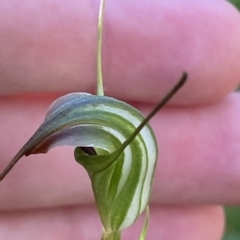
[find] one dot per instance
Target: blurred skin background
(233, 213)
(54, 67)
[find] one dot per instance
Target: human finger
(78, 222)
(51, 47)
(198, 157)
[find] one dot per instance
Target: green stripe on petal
(122, 190)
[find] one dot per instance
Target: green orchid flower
(114, 143)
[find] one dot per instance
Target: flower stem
(113, 235)
(100, 89)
